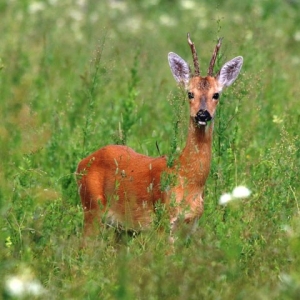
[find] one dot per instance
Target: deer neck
(194, 161)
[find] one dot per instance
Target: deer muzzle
(202, 117)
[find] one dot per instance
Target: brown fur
(123, 187)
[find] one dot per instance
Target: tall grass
(77, 75)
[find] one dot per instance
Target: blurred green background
(77, 75)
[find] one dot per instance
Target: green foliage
(90, 84)
(128, 110)
(75, 76)
(180, 122)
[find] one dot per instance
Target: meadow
(78, 75)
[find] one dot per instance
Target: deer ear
(180, 69)
(230, 71)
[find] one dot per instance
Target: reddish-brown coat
(122, 186)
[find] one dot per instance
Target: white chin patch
(201, 123)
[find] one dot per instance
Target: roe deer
(123, 188)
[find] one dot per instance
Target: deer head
(204, 92)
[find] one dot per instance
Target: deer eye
(216, 96)
(190, 95)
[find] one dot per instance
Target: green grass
(77, 75)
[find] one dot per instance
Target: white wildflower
(241, 192)
(277, 120)
(225, 198)
(287, 279)
(188, 4)
(36, 7)
(15, 286)
(24, 285)
(238, 192)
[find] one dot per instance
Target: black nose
(202, 116)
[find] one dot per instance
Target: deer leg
(93, 205)
(92, 215)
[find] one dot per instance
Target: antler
(195, 57)
(213, 58)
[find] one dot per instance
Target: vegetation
(77, 75)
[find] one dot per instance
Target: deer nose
(202, 117)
